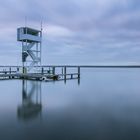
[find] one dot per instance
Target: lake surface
(104, 106)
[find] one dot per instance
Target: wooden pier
(41, 73)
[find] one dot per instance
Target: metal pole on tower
(41, 44)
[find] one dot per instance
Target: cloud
(58, 31)
(84, 30)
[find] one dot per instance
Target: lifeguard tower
(31, 47)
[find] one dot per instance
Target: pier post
(49, 71)
(24, 70)
(10, 70)
(78, 81)
(65, 73)
(79, 72)
(17, 69)
(62, 72)
(53, 70)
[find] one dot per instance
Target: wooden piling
(53, 70)
(65, 73)
(78, 72)
(10, 70)
(18, 69)
(62, 70)
(78, 81)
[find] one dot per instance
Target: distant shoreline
(98, 66)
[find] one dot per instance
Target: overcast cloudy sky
(74, 31)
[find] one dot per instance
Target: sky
(84, 32)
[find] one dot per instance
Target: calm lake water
(104, 106)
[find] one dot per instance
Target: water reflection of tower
(31, 100)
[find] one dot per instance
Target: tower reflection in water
(31, 101)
